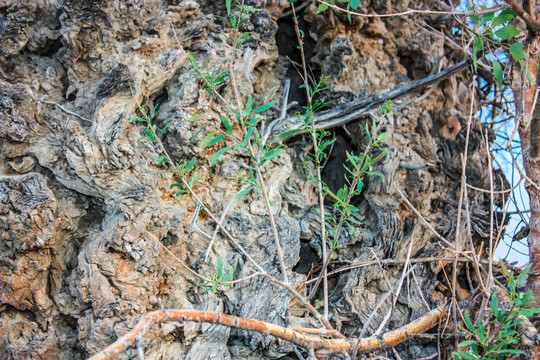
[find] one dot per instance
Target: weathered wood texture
(79, 194)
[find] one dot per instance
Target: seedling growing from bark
(219, 278)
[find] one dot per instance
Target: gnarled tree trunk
(82, 202)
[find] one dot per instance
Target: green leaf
(373, 173)
(228, 6)
(228, 39)
(509, 351)
(229, 275)
(226, 124)
(248, 135)
(359, 186)
(243, 192)
(264, 107)
(507, 32)
(486, 18)
(464, 355)
(288, 133)
(527, 297)
(258, 138)
(218, 154)
(219, 268)
(481, 334)
(193, 179)
(378, 157)
(516, 50)
(494, 305)
(381, 137)
(271, 154)
(529, 312)
(497, 71)
(478, 43)
(164, 128)
(505, 16)
(207, 139)
(150, 134)
(153, 111)
(162, 159)
(194, 63)
(249, 106)
(524, 272)
(191, 163)
(137, 119)
(321, 8)
(468, 321)
(251, 9)
(504, 269)
(466, 343)
(181, 192)
(216, 140)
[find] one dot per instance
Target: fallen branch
(353, 110)
(322, 347)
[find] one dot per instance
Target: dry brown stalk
(322, 347)
(412, 11)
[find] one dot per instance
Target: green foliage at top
(236, 37)
(351, 5)
(494, 339)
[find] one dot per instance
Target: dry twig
(322, 347)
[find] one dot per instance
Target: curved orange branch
(321, 346)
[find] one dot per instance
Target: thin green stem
(317, 162)
(250, 147)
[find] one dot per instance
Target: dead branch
(413, 11)
(323, 347)
(353, 110)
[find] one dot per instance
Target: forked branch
(322, 347)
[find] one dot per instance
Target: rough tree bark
(82, 201)
(528, 120)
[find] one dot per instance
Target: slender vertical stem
(490, 272)
(462, 189)
(251, 150)
(340, 223)
(317, 161)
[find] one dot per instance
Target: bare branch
(412, 11)
(353, 110)
(321, 346)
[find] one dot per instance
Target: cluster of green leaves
(218, 278)
(498, 337)
(150, 130)
(188, 172)
(351, 5)
(495, 29)
(236, 38)
(260, 153)
(212, 81)
(386, 108)
(358, 166)
(185, 170)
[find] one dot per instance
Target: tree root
(322, 347)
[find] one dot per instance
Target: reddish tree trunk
(528, 118)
